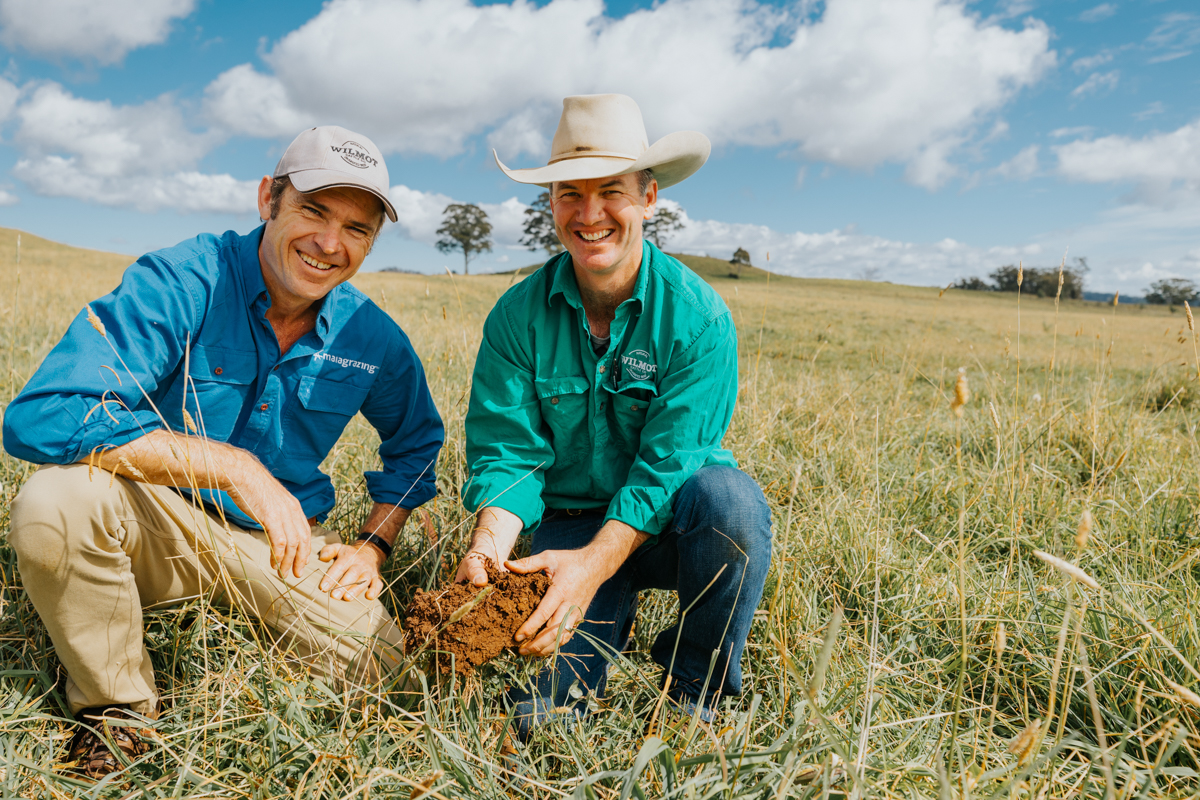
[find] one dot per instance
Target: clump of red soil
(485, 630)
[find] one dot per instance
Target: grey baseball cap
(329, 156)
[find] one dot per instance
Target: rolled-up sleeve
(506, 450)
(94, 390)
(400, 407)
(685, 423)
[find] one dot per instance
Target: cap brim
(673, 158)
(314, 180)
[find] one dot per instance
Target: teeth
(312, 262)
(594, 237)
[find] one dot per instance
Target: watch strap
(378, 541)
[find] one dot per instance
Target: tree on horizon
(741, 258)
(539, 227)
(465, 227)
(663, 225)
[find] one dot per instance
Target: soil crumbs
(487, 626)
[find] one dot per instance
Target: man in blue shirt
(182, 421)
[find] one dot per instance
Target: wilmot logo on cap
(355, 155)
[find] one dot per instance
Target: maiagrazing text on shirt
(345, 362)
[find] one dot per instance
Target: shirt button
(218, 370)
(553, 401)
(263, 407)
(602, 368)
(276, 367)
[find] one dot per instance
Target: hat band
(592, 154)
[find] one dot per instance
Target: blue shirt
(190, 322)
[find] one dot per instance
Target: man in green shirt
(603, 387)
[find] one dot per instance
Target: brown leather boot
(90, 754)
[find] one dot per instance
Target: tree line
(1067, 282)
(1062, 281)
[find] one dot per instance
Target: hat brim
(673, 158)
(314, 180)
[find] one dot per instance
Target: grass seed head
(1191, 322)
(962, 394)
(995, 416)
(1185, 694)
(1020, 275)
(188, 421)
(1024, 745)
(1116, 298)
(130, 468)
(1001, 639)
(1084, 531)
(1067, 568)
(95, 320)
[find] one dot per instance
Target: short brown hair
(278, 187)
(644, 177)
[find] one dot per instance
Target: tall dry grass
(992, 605)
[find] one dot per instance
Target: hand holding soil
(468, 625)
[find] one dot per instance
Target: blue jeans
(720, 535)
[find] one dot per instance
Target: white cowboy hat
(602, 135)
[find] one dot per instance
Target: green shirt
(551, 424)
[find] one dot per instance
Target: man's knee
(56, 512)
(729, 501)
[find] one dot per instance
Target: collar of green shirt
(564, 282)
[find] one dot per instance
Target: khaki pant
(95, 551)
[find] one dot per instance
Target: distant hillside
(1106, 297)
(39, 253)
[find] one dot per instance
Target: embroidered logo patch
(637, 365)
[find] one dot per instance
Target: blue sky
(917, 141)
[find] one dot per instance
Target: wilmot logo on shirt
(637, 365)
(355, 155)
(345, 362)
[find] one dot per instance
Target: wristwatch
(378, 541)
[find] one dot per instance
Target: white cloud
(7, 198)
(1022, 166)
(846, 253)
(1098, 13)
(248, 102)
(1157, 107)
(862, 84)
(1096, 82)
(1080, 130)
(8, 98)
(55, 176)
(142, 156)
(104, 31)
(1177, 30)
(1088, 63)
(418, 214)
(1158, 163)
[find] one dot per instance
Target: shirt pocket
(220, 385)
(564, 403)
(322, 410)
(629, 403)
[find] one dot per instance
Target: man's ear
(264, 198)
(651, 199)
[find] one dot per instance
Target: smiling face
(600, 222)
(312, 242)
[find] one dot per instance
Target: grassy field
(964, 665)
